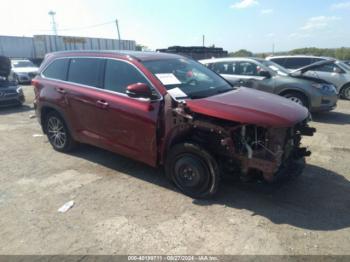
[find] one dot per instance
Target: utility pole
(203, 40)
(273, 48)
(53, 21)
(117, 24)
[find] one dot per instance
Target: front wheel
(193, 170)
(58, 133)
(346, 92)
(297, 98)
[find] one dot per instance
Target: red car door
(128, 125)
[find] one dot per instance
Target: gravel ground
(123, 207)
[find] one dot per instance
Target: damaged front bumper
(280, 155)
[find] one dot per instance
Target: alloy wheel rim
(56, 132)
(296, 100)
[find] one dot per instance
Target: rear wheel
(346, 92)
(58, 133)
(193, 170)
(297, 98)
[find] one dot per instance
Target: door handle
(102, 104)
(61, 90)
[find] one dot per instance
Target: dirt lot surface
(123, 207)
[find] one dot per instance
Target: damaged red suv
(167, 110)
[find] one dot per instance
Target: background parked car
(10, 92)
(23, 70)
(313, 93)
(347, 62)
(334, 71)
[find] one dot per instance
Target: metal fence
(38, 46)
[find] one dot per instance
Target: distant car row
(313, 93)
(23, 71)
(315, 86)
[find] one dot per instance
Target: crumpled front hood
(249, 106)
(313, 66)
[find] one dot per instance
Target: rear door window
(296, 63)
(57, 69)
(86, 71)
(119, 75)
(226, 68)
(280, 61)
(247, 69)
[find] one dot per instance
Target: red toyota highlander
(169, 111)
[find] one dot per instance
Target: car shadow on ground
(336, 118)
(318, 200)
(15, 109)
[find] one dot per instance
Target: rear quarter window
(57, 69)
(226, 68)
(86, 71)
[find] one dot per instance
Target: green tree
(338, 53)
(141, 47)
(241, 53)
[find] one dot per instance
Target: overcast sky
(233, 24)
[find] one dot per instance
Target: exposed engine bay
(242, 149)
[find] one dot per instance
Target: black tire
(297, 98)
(345, 92)
(193, 170)
(58, 134)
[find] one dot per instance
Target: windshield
(185, 78)
(275, 67)
(22, 64)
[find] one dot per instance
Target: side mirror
(264, 73)
(139, 90)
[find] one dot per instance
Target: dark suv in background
(294, 62)
(168, 110)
